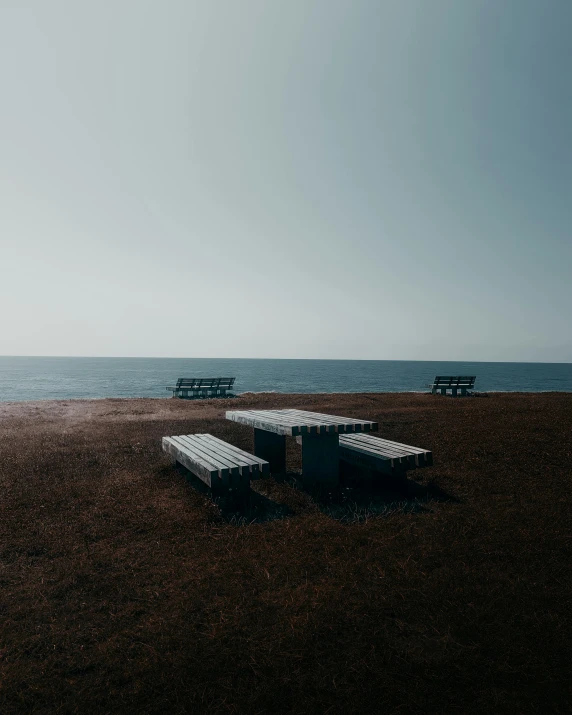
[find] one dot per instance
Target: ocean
(63, 378)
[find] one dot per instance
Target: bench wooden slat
(396, 459)
(194, 452)
(385, 446)
(446, 380)
(193, 463)
(219, 450)
(216, 451)
(239, 454)
(443, 383)
(381, 454)
(196, 446)
(204, 381)
(405, 449)
(217, 463)
(248, 462)
(225, 466)
(455, 377)
(202, 386)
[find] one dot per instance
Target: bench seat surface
(379, 453)
(216, 462)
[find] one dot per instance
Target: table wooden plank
(267, 424)
(299, 422)
(339, 423)
(330, 419)
(310, 426)
(303, 420)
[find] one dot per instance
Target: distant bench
(443, 383)
(226, 469)
(382, 455)
(202, 387)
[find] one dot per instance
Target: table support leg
(272, 448)
(321, 460)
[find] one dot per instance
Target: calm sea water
(50, 378)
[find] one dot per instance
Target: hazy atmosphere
(300, 179)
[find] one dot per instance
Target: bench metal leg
(272, 448)
(443, 390)
(454, 391)
(321, 460)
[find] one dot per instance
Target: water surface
(50, 378)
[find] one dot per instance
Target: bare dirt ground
(123, 588)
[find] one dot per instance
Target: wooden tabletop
(299, 422)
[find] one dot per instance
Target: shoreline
(275, 392)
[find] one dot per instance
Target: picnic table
(317, 433)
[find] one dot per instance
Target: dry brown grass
(124, 589)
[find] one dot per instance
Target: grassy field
(125, 589)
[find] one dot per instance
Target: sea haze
(61, 378)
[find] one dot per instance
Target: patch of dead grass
(123, 588)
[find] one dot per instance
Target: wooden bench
(443, 383)
(382, 455)
(221, 466)
(202, 387)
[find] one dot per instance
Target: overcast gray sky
(372, 179)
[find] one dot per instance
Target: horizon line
(152, 357)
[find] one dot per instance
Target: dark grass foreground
(122, 589)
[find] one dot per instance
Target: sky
(359, 179)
